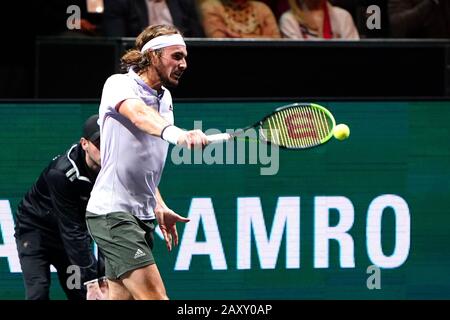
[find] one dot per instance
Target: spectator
(419, 18)
(127, 18)
(317, 19)
(238, 19)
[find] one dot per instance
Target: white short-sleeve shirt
(131, 161)
(341, 23)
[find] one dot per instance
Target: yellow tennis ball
(341, 131)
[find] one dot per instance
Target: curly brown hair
(140, 61)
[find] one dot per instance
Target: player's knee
(164, 297)
(151, 295)
(115, 296)
(119, 293)
(160, 293)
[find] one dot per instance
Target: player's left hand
(167, 220)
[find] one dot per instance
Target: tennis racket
(295, 126)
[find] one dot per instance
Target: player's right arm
(143, 117)
(118, 95)
(150, 121)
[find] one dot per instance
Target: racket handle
(220, 137)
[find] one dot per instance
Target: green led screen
(365, 218)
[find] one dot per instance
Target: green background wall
(396, 148)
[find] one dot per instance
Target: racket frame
(217, 138)
(258, 125)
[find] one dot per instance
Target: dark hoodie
(55, 206)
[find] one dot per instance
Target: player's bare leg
(145, 283)
(117, 291)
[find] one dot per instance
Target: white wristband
(90, 281)
(171, 134)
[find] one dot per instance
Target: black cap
(91, 129)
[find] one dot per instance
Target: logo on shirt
(139, 253)
(171, 107)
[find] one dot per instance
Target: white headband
(164, 41)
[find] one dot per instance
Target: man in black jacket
(127, 18)
(50, 223)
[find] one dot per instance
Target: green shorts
(125, 241)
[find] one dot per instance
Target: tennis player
(136, 125)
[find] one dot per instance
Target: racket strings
(298, 127)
